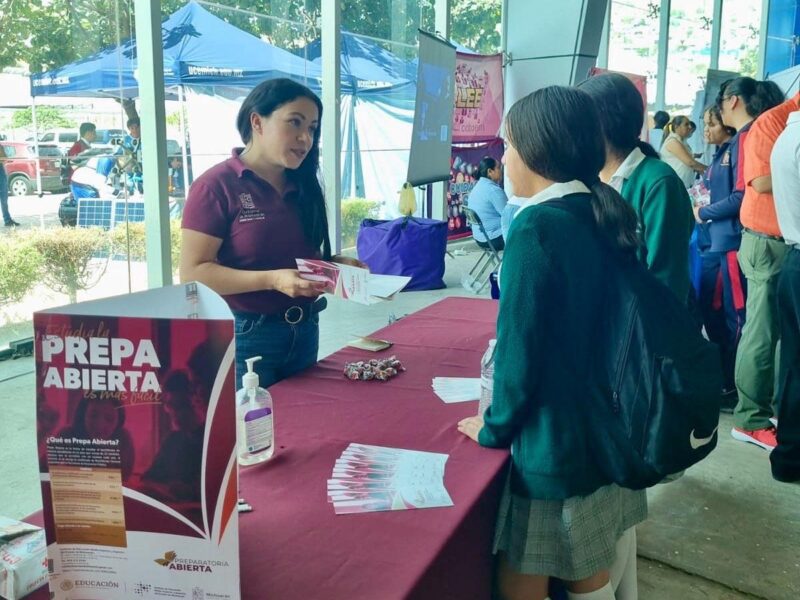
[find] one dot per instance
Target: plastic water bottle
(255, 434)
(487, 378)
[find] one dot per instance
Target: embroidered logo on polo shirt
(249, 211)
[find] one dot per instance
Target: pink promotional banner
(640, 81)
(479, 97)
(463, 175)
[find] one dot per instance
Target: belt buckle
(289, 319)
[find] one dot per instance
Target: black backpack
(657, 381)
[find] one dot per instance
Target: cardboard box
(23, 559)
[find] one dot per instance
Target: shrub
(355, 210)
(67, 254)
(130, 241)
(20, 268)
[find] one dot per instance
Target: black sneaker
(730, 398)
(12, 223)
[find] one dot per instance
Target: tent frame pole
(184, 158)
(36, 147)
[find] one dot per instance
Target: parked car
(21, 167)
(63, 138)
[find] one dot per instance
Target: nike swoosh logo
(696, 442)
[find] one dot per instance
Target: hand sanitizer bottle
(255, 434)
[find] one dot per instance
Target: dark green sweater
(660, 200)
(552, 282)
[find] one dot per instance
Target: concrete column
(548, 45)
(602, 56)
(716, 29)
(154, 142)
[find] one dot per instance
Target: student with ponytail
(560, 516)
(650, 186)
(756, 109)
(248, 218)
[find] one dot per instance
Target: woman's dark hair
(263, 100)
(676, 122)
(556, 132)
(660, 119)
(78, 428)
(758, 96)
(620, 112)
(487, 163)
(713, 110)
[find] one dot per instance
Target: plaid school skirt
(568, 539)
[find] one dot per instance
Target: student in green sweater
(560, 516)
(651, 186)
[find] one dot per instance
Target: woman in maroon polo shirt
(248, 218)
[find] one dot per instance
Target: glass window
(633, 40)
(49, 151)
(689, 53)
(103, 247)
(739, 36)
(10, 151)
(377, 126)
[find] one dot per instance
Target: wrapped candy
(374, 369)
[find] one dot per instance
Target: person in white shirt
(676, 152)
(785, 167)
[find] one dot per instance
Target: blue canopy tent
(199, 49)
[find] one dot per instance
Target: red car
(21, 168)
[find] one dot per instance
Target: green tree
(50, 34)
(46, 117)
(475, 24)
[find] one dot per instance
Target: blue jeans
(284, 349)
(4, 194)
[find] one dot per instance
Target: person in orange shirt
(760, 256)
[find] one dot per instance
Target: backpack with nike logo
(658, 382)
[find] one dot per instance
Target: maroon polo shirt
(259, 228)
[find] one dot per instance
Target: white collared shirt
(785, 167)
(556, 190)
(626, 169)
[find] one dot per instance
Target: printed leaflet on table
(373, 478)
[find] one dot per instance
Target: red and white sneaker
(760, 437)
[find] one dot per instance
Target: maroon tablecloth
(293, 546)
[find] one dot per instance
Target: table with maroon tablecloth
(293, 546)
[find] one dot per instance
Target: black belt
(292, 315)
(766, 236)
